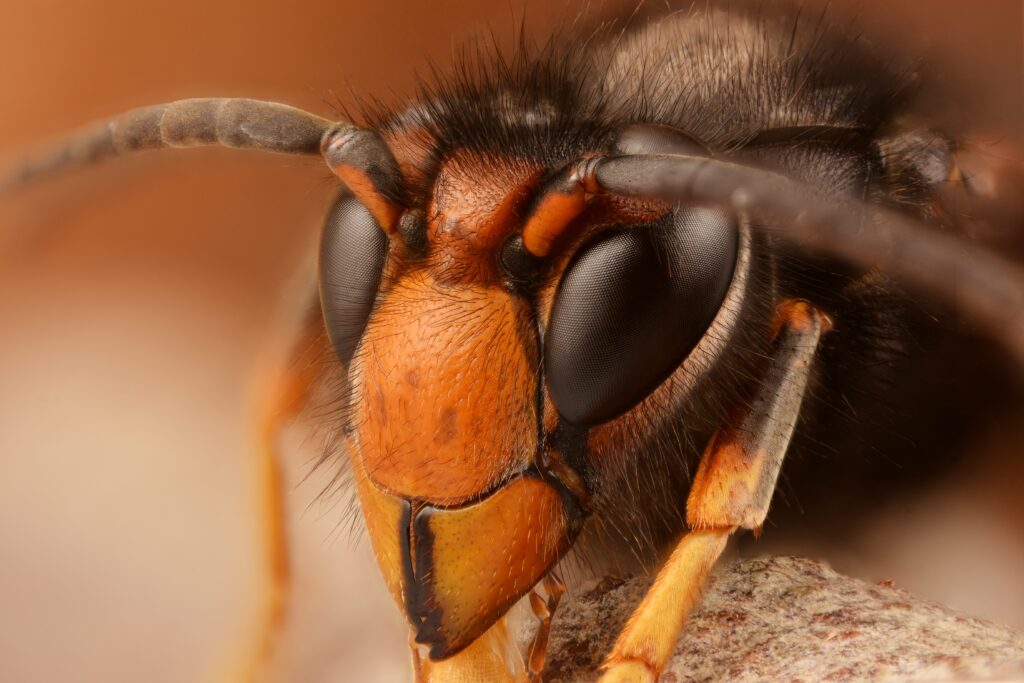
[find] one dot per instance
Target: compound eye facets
(353, 250)
(631, 305)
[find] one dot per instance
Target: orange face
(445, 391)
(445, 420)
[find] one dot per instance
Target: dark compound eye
(631, 305)
(352, 253)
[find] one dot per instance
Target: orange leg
(543, 609)
(733, 489)
(282, 399)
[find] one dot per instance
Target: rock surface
(791, 619)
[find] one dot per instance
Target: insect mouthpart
(439, 561)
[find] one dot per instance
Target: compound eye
(352, 253)
(631, 306)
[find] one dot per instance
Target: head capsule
(477, 369)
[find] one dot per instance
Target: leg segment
(647, 641)
(741, 464)
(283, 398)
(732, 489)
(543, 609)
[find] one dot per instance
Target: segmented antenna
(227, 122)
(976, 280)
(358, 157)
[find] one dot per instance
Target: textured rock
(790, 619)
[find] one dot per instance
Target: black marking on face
(422, 608)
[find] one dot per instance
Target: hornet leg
(281, 399)
(732, 490)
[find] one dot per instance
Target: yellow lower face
(454, 572)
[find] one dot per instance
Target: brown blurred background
(134, 330)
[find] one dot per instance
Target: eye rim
(726, 322)
(364, 232)
(713, 343)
